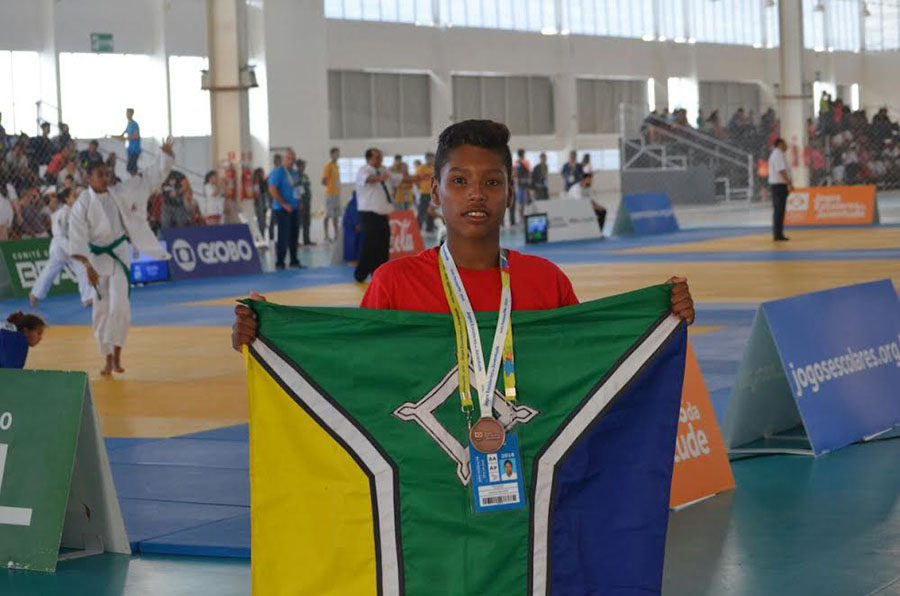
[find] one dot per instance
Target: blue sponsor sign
(211, 251)
(829, 360)
(145, 269)
(642, 214)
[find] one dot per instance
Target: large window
(190, 103)
(613, 18)
(727, 98)
(684, 94)
(737, 22)
(883, 25)
(97, 88)
(599, 101)
(363, 105)
(20, 90)
(524, 104)
(830, 25)
(401, 11)
(524, 15)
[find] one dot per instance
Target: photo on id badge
(496, 478)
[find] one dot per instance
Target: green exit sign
(102, 43)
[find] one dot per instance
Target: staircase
(676, 147)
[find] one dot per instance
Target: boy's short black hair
(778, 141)
(486, 134)
(370, 152)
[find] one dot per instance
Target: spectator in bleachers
(63, 138)
(41, 149)
(59, 161)
(572, 172)
(7, 213)
(178, 207)
(31, 222)
(89, 156)
(17, 160)
(111, 166)
(2, 136)
(132, 134)
(213, 205)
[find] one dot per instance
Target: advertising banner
(406, 238)
(831, 205)
(24, 260)
(55, 483)
(569, 219)
(828, 360)
(701, 460)
(211, 251)
(642, 214)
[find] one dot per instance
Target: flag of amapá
(360, 473)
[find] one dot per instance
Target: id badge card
(497, 482)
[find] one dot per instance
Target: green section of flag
(24, 260)
(40, 415)
(557, 363)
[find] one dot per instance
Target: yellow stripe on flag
(305, 533)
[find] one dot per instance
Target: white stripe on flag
(571, 432)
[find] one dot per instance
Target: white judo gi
(100, 229)
(59, 258)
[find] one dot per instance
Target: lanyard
(465, 327)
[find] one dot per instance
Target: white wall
(293, 45)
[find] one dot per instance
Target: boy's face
(473, 191)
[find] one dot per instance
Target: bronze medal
(487, 435)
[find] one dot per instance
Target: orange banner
(831, 205)
(701, 460)
(406, 239)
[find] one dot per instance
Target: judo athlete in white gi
(103, 222)
(59, 256)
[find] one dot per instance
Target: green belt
(108, 250)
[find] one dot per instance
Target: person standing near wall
(571, 171)
(780, 185)
(424, 174)
(304, 188)
(331, 180)
(285, 204)
(374, 191)
(539, 179)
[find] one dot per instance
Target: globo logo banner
(211, 251)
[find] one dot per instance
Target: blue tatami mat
(240, 432)
(145, 519)
(224, 538)
(184, 484)
(185, 452)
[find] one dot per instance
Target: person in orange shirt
(424, 174)
(403, 196)
(331, 180)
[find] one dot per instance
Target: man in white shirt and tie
(374, 197)
(780, 185)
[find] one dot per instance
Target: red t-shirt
(414, 283)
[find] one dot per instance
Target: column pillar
(791, 99)
(226, 27)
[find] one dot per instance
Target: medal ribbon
(502, 348)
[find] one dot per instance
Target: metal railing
(648, 141)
